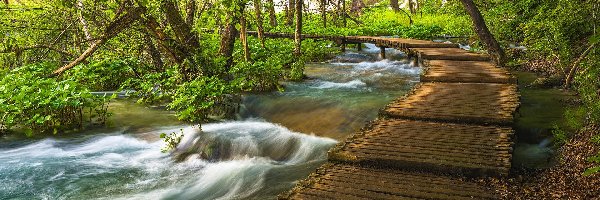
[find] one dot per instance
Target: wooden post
(359, 46)
(343, 47)
(382, 52)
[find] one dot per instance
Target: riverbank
(562, 177)
(565, 180)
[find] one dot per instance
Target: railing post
(359, 46)
(382, 52)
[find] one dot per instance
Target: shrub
(33, 103)
(104, 75)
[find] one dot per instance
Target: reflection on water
(256, 157)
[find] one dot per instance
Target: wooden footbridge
(432, 143)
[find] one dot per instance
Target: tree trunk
(575, 66)
(115, 27)
(394, 5)
(154, 53)
(323, 8)
(84, 24)
(484, 33)
(344, 22)
(298, 32)
(170, 46)
(182, 30)
(272, 17)
(259, 22)
(228, 39)
(190, 10)
(411, 7)
(291, 9)
(357, 6)
(244, 37)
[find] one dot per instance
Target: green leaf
(591, 171)
(594, 39)
(163, 135)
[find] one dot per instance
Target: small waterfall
(226, 160)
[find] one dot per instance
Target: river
(279, 138)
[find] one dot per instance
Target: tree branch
(575, 66)
(119, 24)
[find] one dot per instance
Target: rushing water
(280, 138)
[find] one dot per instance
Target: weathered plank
(340, 181)
(449, 54)
(442, 147)
(482, 103)
(465, 72)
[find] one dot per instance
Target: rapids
(281, 137)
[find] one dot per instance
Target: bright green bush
(105, 75)
(194, 99)
(32, 103)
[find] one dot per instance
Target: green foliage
(171, 140)
(104, 75)
(154, 87)
(593, 170)
(297, 69)
(32, 103)
(560, 135)
(380, 21)
(193, 99)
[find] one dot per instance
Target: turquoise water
(280, 138)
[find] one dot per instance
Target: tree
(120, 22)
(323, 8)
(483, 32)
(394, 5)
(411, 7)
(272, 17)
(298, 32)
(290, 12)
(244, 36)
(259, 22)
(357, 6)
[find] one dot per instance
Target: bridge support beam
(382, 52)
(359, 46)
(343, 47)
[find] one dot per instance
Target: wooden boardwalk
(430, 144)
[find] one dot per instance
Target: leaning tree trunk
(154, 53)
(259, 22)
(484, 33)
(115, 27)
(298, 32)
(394, 5)
(575, 66)
(272, 17)
(323, 8)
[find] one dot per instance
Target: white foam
(348, 85)
(387, 66)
